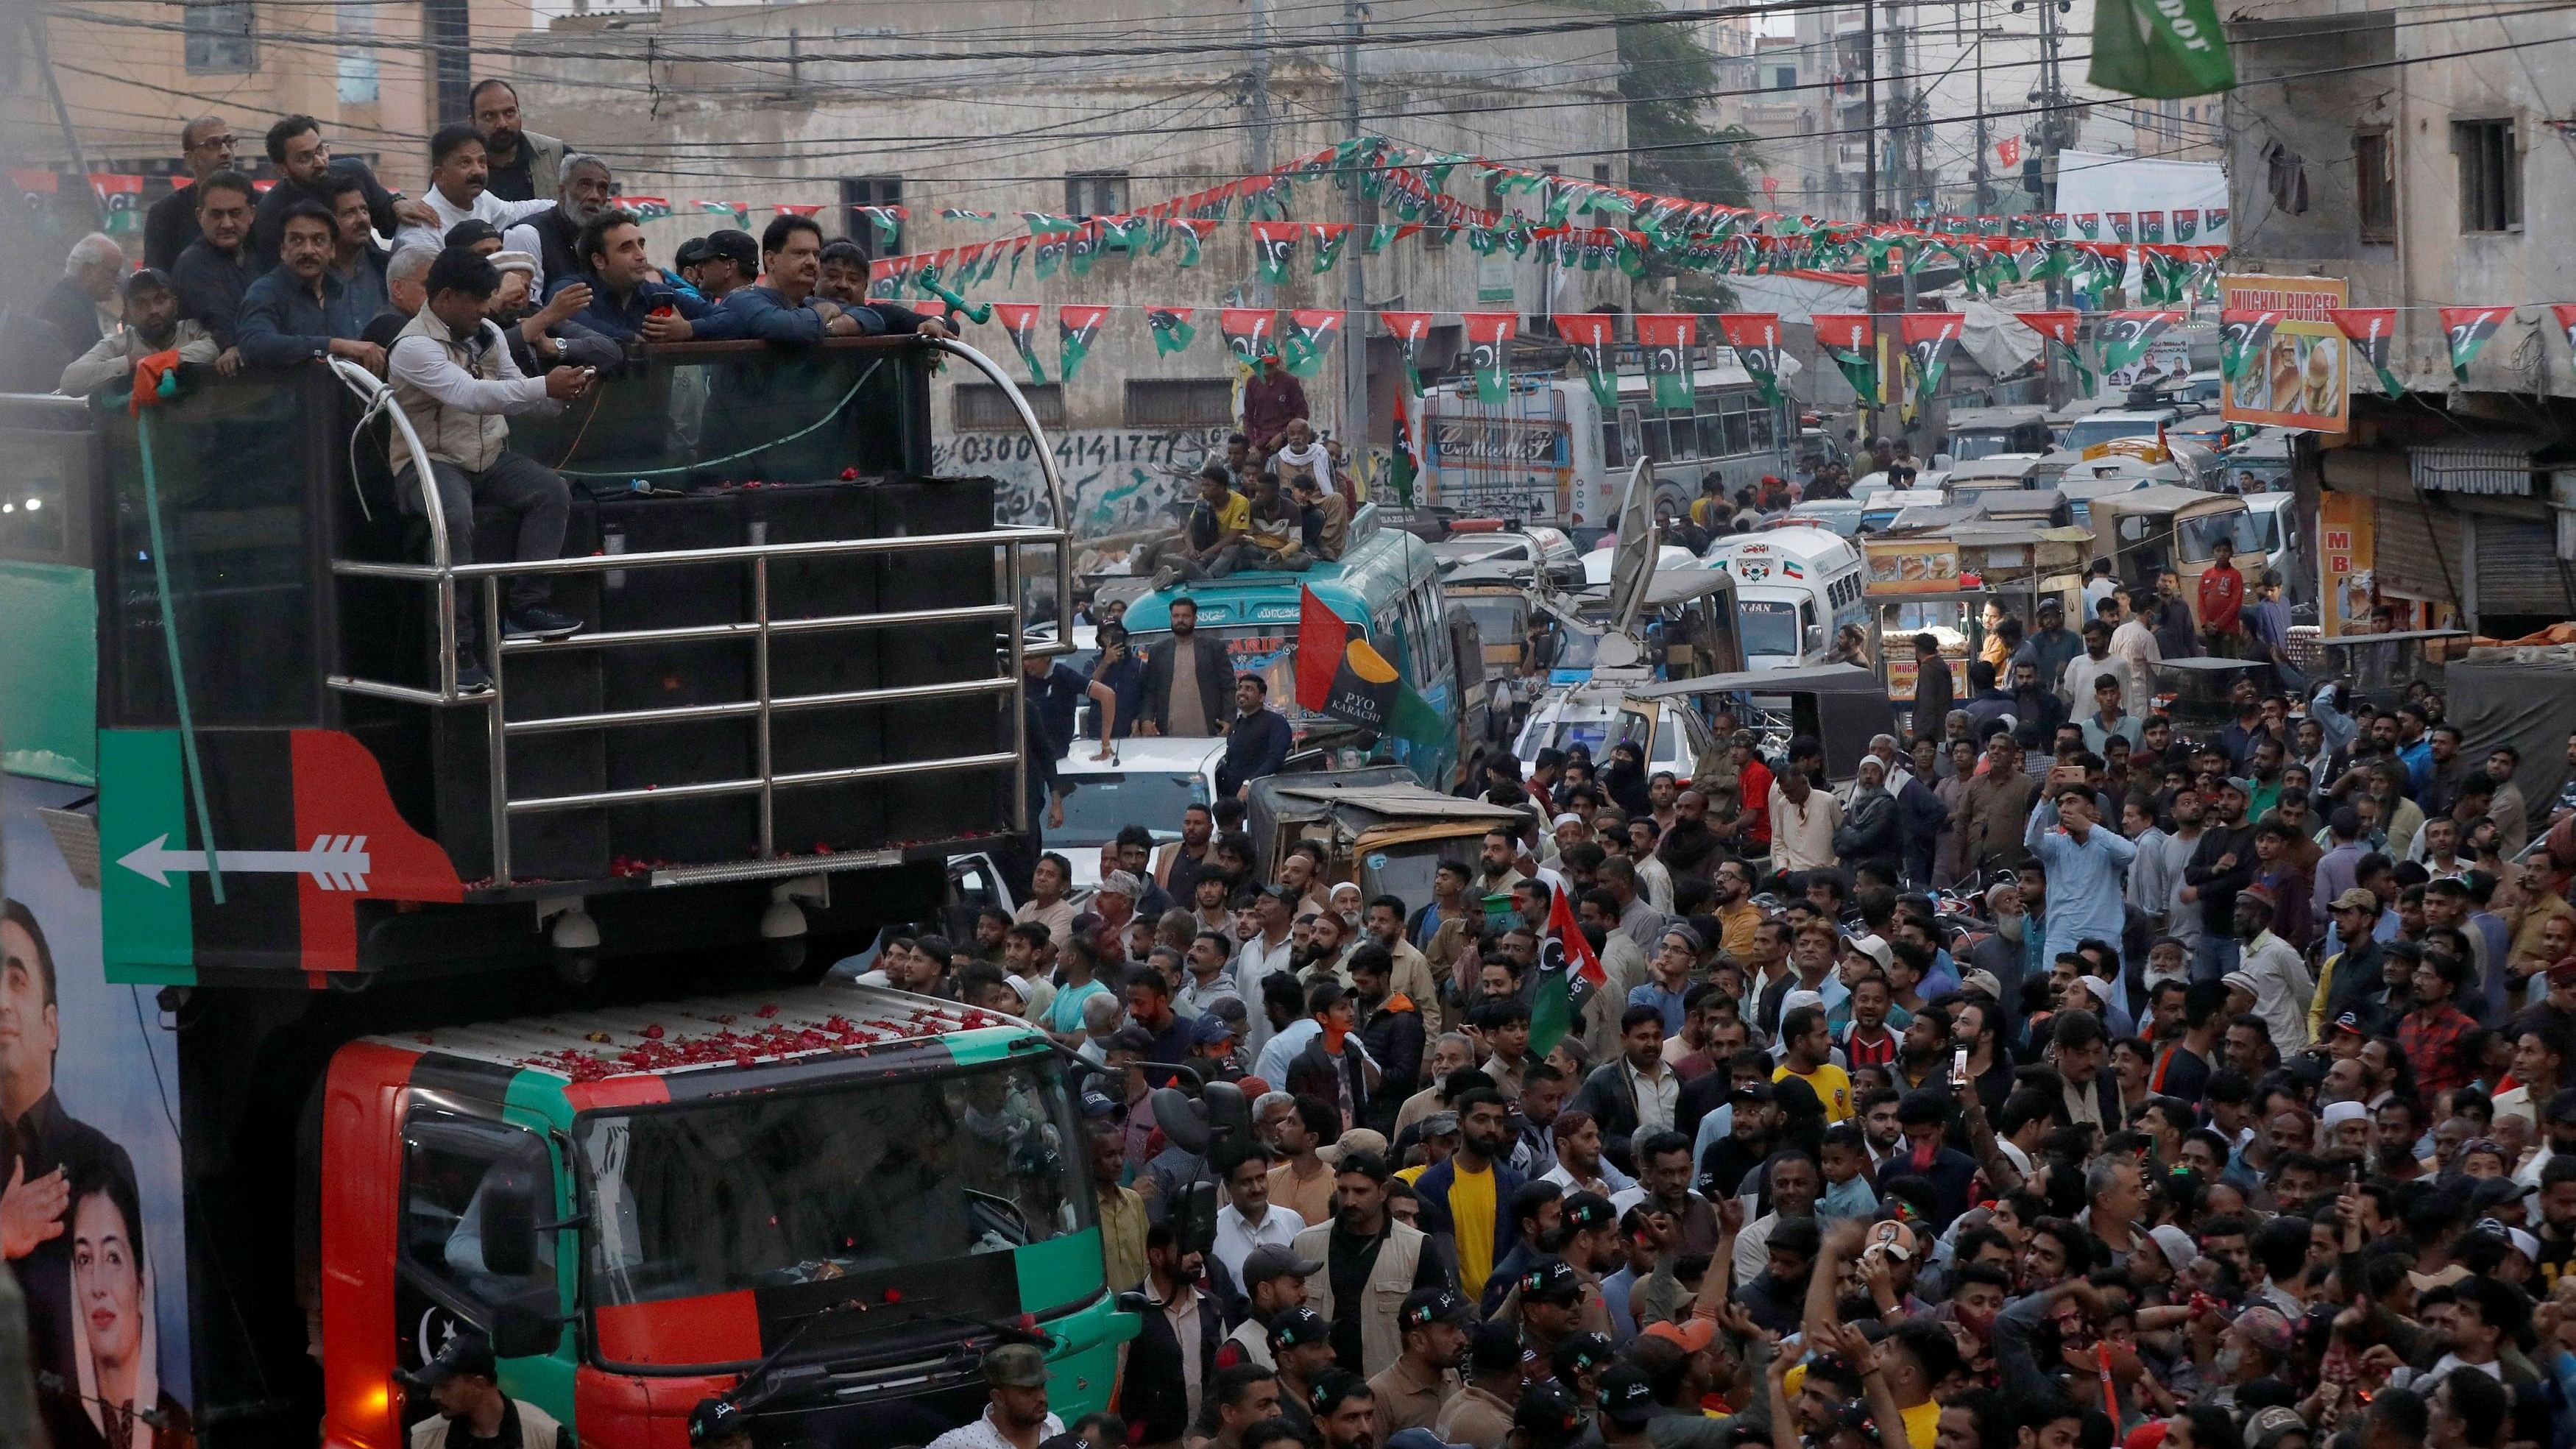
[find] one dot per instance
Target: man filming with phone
(453, 376)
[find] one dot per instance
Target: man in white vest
(1370, 1263)
(464, 1383)
(453, 376)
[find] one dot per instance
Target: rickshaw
(1497, 597)
(1379, 827)
(2137, 530)
(1842, 706)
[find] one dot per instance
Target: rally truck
(372, 1007)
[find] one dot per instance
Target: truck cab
(1795, 588)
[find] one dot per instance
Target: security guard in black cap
(1551, 1310)
(719, 1424)
(1301, 1346)
(465, 1385)
(1412, 1390)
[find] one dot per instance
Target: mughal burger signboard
(2282, 360)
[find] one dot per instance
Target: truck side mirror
(1178, 1116)
(1193, 1217)
(1229, 1116)
(509, 1197)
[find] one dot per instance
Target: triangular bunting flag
(1329, 238)
(2466, 330)
(1308, 337)
(1592, 336)
(1489, 336)
(1247, 331)
(2565, 313)
(1020, 320)
(1667, 338)
(1929, 338)
(2127, 335)
(2373, 333)
(1755, 336)
(740, 211)
(1410, 328)
(1171, 328)
(1846, 338)
(1276, 244)
(1075, 327)
(648, 208)
(2242, 336)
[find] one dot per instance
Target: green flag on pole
(2160, 49)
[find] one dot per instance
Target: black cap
(1585, 1211)
(736, 247)
(145, 279)
(1551, 1281)
(689, 253)
(472, 231)
(1549, 1414)
(1296, 1327)
(1626, 1400)
(715, 1419)
(1753, 1092)
(466, 1355)
(1582, 1354)
(1494, 1347)
(1432, 1305)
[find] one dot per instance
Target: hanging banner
(1592, 335)
(1020, 320)
(1171, 328)
(1410, 328)
(1929, 339)
(2372, 331)
(1755, 336)
(2291, 361)
(2465, 331)
(2344, 544)
(2159, 49)
(1845, 337)
(1668, 338)
(1489, 336)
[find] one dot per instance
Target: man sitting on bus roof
(1210, 544)
(1325, 518)
(454, 378)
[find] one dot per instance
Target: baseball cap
(2358, 898)
(1585, 1211)
(2266, 1329)
(472, 231)
(1209, 1029)
(715, 1419)
(1129, 1038)
(1582, 1353)
(1271, 1260)
(2270, 1426)
(1626, 1398)
(1985, 981)
(1876, 949)
(1015, 1366)
(734, 246)
(1753, 1092)
(466, 1355)
(145, 279)
(689, 253)
(1426, 1306)
(1551, 1280)
(1296, 1327)
(2261, 893)
(1099, 1104)
(1548, 1413)
(2350, 1021)
(1439, 1124)
(1693, 1336)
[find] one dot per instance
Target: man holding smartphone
(2087, 864)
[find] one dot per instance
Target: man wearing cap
(1481, 1412)
(1548, 1300)
(152, 324)
(1371, 1262)
(2350, 983)
(1411, 1392)
(2222, 863)
(720, 263)
(719, 1424)
(464, 1385)
(1301, 1348)
(2282, 987)
(2051, 645)
(1274, 1281)
(1015, 1379)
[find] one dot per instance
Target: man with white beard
(584, 196)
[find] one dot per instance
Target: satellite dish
(1632, 560)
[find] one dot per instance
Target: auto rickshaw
(2137, 531)
(1379, 827)
(1842, 706)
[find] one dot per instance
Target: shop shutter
(2519, 571)
(2419, 550)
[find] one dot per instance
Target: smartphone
(1959, 1067)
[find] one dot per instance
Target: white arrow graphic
(336, 862)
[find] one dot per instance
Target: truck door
(473, 1193)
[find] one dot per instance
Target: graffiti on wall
(1116, 480)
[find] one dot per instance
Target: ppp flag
(1409, 329)
(1075, 328)
(1929, 339)
(1569, 972)
(2466, 330)
(1343, 678)
(1755, 336)
(1845, 336)
(1171, 328)
(1489, 336)
(1247, 331)
(2161, 49)
(2059, 330)
(1309, 336)
(2127, 336)
(1667, 338)
(2242, 336)
(1592, 334)
(2565, 313)
(1020, 319)
(2372, 331)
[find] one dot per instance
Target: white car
(1599, 716)
(1146, 781)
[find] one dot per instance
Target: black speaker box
(928, 806)
(847, 816)
(683, 672)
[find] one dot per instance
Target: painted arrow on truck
(336, 862)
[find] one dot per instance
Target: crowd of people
(2058, 1081)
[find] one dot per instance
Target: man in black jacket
(1194, 711)
(2221, 864)
(1932, 688)
(1392, 1030)
(206, 145)
(1161, 1384)
(306, 172)
(1257, 743)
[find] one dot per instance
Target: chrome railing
(485, 580)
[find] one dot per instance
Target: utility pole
(1985, 203)
(1355, 389)
(1869, 110)
(1257, 102)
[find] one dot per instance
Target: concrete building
(2421, 178)
(838, 105)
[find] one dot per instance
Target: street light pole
(1355, 390)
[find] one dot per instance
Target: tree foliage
(1666, 75)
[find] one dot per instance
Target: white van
(1794, 588)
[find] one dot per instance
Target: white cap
(2340, 1112)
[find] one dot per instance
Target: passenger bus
(391, 1009)
(1386, 586)
(1795, 588)
(1548, 453)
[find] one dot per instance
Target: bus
(391, 1009)
(1795, 588)
(1549, 453)
(1386, 586)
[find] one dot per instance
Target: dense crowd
(2019, 1092)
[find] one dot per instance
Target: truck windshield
(1104, 804)
(2250, 533)
(2102, 430)
(770, 1191)
(1770, 626)
(1965, 446)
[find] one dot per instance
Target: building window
(1601, 173)
(1189, 402)
(982, 407)
(2490, 175)
(859, 225)
(1095, 193)
(2375, 186)
(1784, 77)
(451, 42)
(218, 37)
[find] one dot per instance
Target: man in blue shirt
(627, 295)
(784, 307)
(1058, 689)
(216, 269)
(2086, 865)
(301, 310)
